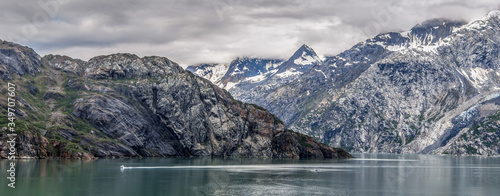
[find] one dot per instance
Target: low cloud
(196, 31)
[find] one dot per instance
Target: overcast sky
(196, 31)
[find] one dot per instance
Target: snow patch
(256, 78)
(321, 72)
(289, 73)
(213, 73)
(230, 85)
(478, 76)
(492, 96)
(306, 59)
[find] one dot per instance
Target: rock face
(121, 105)
(15, 59)
(413, 92)
(432, 89)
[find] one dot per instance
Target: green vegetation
(464, 136)
(303, 140)
(277, 120)
(236, 102)
(410, 138)
(487, 125)
(256, 106)
(470, 150)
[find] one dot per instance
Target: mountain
(249, 78)
(121, 105)
(213, 72)
(243, 69)
(300, 62)
(432, 89)
(252, 89)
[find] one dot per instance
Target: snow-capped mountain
(213, 72)
(433, 89)
(252, 89)
(300, 62)
(244, 69)
(248, 78)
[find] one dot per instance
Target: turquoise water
(369, 174)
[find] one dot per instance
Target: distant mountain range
(248, 78)
(432, 89)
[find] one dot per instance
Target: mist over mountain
(431, 89)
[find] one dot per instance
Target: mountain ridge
(431, 89)
(121, 105)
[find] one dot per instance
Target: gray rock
(16, 59)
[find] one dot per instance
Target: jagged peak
(439, 23)
(489, 19)
(492, 14)
(304, 48)
(305, 55)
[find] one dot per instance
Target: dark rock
(53, 95)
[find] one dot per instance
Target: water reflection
(369, 174)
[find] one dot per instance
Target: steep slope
(121, 105)
(406, 92)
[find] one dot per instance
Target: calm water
(369, 174)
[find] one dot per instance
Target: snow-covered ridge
(306, 59)
(212, 72)
(424, 37)
(492, 14)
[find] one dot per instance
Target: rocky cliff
(122, 105)
(433, 89)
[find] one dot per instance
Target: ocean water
(368, 174)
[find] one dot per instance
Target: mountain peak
(492, 14)
(438, 23)
(305, 55)
(304, 48)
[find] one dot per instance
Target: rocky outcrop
(65, 63)
(121, 105)
(18, 60)
(128, 66)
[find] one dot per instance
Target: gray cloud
(195, 31)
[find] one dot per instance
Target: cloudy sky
(196, 31)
